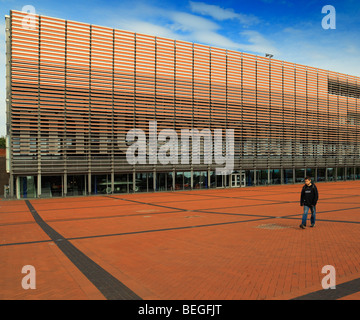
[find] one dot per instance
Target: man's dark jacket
(309, 195)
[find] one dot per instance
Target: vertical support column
(62, 185)
(209, 178)
(134, 180)
(39, 185)
(326, 174)
(11, 186)
(112, 182)
(154, 179)
(17, 187)
(268, 175)
(336, 173)
(173, 179)
(89, 183)
(65, 184)
(192, 179)
(294, 175)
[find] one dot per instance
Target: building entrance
(238, 180)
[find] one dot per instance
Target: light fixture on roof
(268, 55)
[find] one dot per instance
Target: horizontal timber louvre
(77, 89)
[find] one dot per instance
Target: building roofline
(209, 46)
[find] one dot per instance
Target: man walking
(308, 199)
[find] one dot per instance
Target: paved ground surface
(205, 244)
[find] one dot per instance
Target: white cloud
(258, 43)
(190, 22)
(312, 46)
(352, 49)
(255, 42)
(193, 28)
(212, 38)
(146, 28)
(221, 14)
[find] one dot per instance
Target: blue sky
(290, 30)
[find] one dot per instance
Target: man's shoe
(313, 225)
(302, 226)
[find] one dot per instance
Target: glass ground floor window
(77, 185)
(222, 181)
(262, 177)
(164, 181)
(310, 172)
(340, 173)
(144, 181)
(123, 183)
(101, 184)
(183, 180)
(179, 181)
(27, 187)
(330, 174)
(350, 174)
(357, 173)
(275, 176)
(249, 174)
(288, 176)
(52, 186)
(200, 180)
(321, 174)
(299, 175)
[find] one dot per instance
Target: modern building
(75, 90)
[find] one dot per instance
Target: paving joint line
(107, 284)
(341, 290)
(147, 231)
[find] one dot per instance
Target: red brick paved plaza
(222, 244)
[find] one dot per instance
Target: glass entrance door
(238, 180)
(235, 180)
(243, 179)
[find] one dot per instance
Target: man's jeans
(306, 211)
